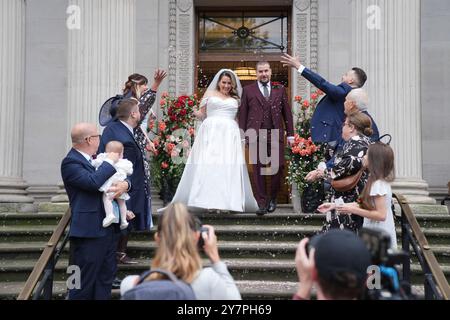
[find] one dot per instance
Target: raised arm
(148, 97)
(333, 91)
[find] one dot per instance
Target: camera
(201, 241)
(386, 259)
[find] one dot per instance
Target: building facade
(60, 59)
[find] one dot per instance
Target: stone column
(181, 47)
(12, 84)
(305, 33)
(386, 44)
(101, 57)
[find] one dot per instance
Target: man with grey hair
(358, 100)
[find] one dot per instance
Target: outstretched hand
(290, 61)
(159, 76)
(326, 207)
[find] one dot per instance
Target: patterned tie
(266, 90)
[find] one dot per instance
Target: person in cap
(336, 264)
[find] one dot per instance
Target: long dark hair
(133, 81)
(381, 167)
(233, 91)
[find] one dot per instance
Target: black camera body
(201, 241)
(379, 244)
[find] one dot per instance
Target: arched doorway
(237, 40)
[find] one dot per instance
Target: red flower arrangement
(173, 138)
(304, 155)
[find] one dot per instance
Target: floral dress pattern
(348, 161)
(145, 105)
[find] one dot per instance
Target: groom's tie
(265, 89)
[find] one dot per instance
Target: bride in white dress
(215, 176)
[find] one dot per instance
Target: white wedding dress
(215, 176)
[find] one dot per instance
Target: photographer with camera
(335, 263)
(180, 237)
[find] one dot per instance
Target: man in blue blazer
(327, 120)
(122, 130)
(92, 246)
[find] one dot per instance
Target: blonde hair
(177, 250)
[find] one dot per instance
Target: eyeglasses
(93, 136)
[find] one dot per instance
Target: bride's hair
(134, 80)
(233, 91)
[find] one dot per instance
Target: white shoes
(108, 221)
(123, 225)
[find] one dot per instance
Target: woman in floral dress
(356, 131)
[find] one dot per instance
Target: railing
(45, 266)
(447, 198)
(436, 285)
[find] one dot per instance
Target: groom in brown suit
(264, 108)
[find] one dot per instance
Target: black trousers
(96, 259)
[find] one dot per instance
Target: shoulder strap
(385, 136)
(168, 274)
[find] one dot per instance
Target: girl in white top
(123, 168)
(376, 200)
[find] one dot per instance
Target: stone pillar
(12, 84)
(386, 44)
(305, 35)
(101, 57)
(181, 47)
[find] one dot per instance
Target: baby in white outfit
(124, 168)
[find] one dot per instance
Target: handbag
(347, 183)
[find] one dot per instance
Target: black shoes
(261, 211)
(116, 283)
(272, 206)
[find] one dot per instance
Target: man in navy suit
(123, 130)
(327, 120)
(92, 247)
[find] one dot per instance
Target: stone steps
(259, 251)
(248, 269)
(250, 290)
(230, 232)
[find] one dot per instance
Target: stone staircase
(259, 252)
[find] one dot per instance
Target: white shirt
(89, 158)
(261, 87)
(301, 69)
(128, 126)
(383, 188)
(85, 155)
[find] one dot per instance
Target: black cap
(340, 251)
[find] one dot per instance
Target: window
(243, 32)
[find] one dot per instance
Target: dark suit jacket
(116, 131)
(82, 183)
(251, 114)
(326, 123)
